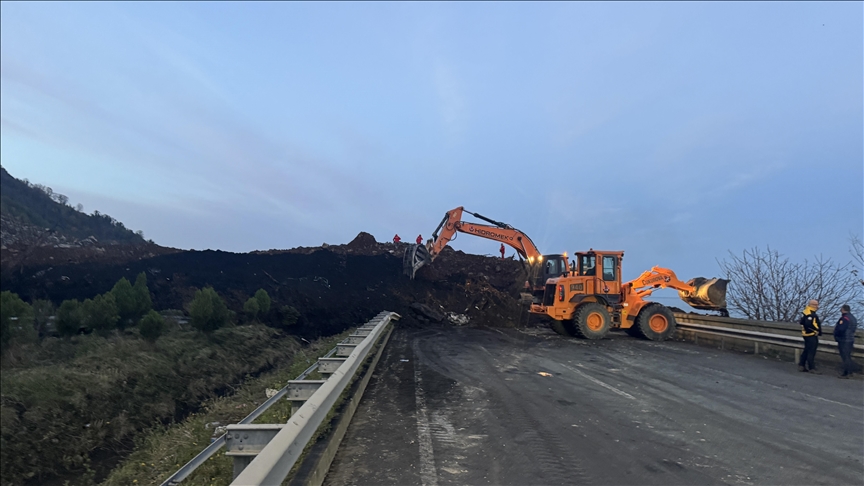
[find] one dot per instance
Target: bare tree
(766, 286)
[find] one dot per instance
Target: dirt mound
(333, 287)
(362, 241)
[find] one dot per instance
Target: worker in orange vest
(396, 239)
(502, 251)
(419, 239)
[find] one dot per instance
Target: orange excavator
(590, 299)
(540, 267)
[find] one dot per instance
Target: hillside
(33, 214)
(38, 226)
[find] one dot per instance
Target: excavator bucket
(710, 294)
(415, 257)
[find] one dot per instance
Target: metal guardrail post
(272, 465)
(217, 444)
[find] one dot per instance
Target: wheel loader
(590, 299)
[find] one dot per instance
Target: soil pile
(333, 287)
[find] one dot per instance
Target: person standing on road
(811, 329)
(419, 239)
(502, 250)
(844, 334)
(396, 238)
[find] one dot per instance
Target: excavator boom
(415, 257)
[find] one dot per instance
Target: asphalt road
(483, 406)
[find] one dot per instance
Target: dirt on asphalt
(333, 286)
(526, 406)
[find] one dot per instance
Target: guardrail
(762, 337)
(265, 453)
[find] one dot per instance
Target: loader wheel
(656, 322)
(591, 321)
(558, 326)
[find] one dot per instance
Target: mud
(333, 287)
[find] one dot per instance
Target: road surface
(450, 405)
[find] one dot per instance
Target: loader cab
(601, 271)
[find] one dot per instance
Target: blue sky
(673, 131)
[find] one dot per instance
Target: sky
(677, 132)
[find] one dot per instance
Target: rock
(458, 319)
(425, 310)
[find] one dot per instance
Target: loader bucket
(710, 294)
(415, 257)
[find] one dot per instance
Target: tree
(151, 326)
(263, 300)
(766, 286)
(132, 301)
(16, 320)
(251, 308)
(143, 303)
(208, 311)
(69, 318)
(43, 310)
(100, 314)
(125, 298)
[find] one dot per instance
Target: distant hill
(34, 215)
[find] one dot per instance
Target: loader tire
(634, 331)
(591, 321)
(558, 327)
(656, 322)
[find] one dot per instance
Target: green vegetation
(100, 313)
(70, 318)
(263, 301)
(132, 302)
(289, 315)
(16, 320)
(208, 311)
(151, 326)
(54, 416)
(41, 207)
(96, 388)
(251, 308)
(163, 450)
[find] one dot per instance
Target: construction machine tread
(591, 321)
(655, 322)
(558, 327)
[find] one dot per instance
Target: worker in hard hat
(811, 329)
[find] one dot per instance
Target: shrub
(100, 314)
(251, 308)
(151, 326)
(263, 301)
(208, 311)
(289, 315)
(16, 319)
(69, 318)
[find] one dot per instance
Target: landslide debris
(333, 286)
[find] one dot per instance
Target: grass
(54, 416)
(163, 450)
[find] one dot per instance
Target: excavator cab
(544, 268)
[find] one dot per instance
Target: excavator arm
(452, 223)
(418, 255)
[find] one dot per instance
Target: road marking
(428, 476)
(604, 385)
